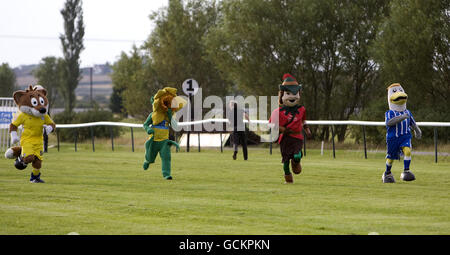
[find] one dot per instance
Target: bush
(95, 115)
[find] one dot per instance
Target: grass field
(106, 193)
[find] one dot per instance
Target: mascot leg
(166, 159)
(407, 175)
(287, 173)
(15, 153)
(36, 174)
(150, 153)
(387, 175)
(296, 166)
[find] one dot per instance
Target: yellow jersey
(32, 127)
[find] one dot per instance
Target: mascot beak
(398, 98)
(177, 103)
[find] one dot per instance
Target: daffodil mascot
(399, 124)
(165, 103)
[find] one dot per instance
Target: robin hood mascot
(290, 117)
(33, 117)
(399, 124)
(165, 103)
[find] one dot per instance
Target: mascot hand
(308, 132)
(150, 131)
(417, 132)
(14, 138)
(48, 129)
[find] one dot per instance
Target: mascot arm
(394, 120)
(173, 122)
(147, 124)
(49, 128)
(417, 131)
(13, 132)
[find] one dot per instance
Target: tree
(134, 82)
(72, 44)
(323, 43)
(7, 81)
(413, 49)
(48, 74)
(176, 46)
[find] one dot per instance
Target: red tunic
(296, 125)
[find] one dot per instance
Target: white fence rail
(310, 122)
(261, 122)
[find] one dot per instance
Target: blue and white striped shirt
(401, 128)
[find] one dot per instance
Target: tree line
(344, 53)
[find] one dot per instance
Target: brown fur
(23, 98)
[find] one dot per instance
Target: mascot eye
(41, 100)
(34, 101)
(394, 90)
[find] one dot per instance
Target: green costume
(158, 141)
(153, 147)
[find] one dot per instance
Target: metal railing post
(435, 145)
(112, 138)
(76, 138)
(332, 138)
(92, 138)
(364, 139)
(132, 140)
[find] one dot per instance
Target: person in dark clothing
(238, 135)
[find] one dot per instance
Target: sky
(30, 29)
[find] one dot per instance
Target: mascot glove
(150, 131)
(14, 138)
(48, 129)
(417, 132)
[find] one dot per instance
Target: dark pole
(112, 138)
(332, 138)
(364, 138)
(270, 138)
(198, 141)
(435, 145)
(90, 75)
(304, 143)
(76, 138)
(92, 138)
(221, 144)
(132, 140)
(192, 116)
(57, 137)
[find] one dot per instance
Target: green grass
(105, 192)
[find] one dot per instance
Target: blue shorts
(394, 146)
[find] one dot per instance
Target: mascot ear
(17, 95)
(40, 89)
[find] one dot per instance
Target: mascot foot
(288, 179)
(388, 178)
(296, 166)
(36, 179)
(407, 176)
(19, 164)
(146, 165)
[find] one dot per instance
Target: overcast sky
(30, 29)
